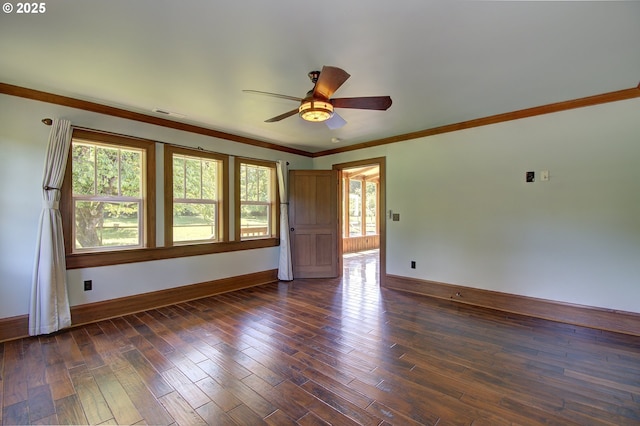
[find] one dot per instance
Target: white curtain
(285, 268)
(49, 310)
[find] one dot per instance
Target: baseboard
(18, 326)
(14, 327)
(580, 315)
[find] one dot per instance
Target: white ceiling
(441, 62)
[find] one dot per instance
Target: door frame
(382, 208)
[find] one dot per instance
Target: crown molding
(52, 98)
(603, 98)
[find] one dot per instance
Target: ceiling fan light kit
(315, 111)
(317, 107)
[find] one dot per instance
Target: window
(195, 190)
(106, 204)
(360, 200)
(371, 206)
(256, 199)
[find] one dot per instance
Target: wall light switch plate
(544, 175)
(396, 217)
(530, 177)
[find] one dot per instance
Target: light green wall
(23, 142)
(467, 216)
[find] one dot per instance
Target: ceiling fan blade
(380, 103)
(335, 122)
(282, 116)
(275, 95)
(331, 78)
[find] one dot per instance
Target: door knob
(292, 229)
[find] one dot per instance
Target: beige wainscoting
(355, 244)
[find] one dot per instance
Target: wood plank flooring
(317, 352)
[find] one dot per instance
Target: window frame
(274, 204)
(222, 203)
(154, 183)
(148, 197)
(346, 218)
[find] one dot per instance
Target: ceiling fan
(317, 106)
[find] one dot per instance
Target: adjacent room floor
(311, 352)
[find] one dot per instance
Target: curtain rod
(48, 122)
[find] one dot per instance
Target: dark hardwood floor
(313, 352)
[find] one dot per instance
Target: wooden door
(314, 222)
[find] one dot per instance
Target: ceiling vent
(169, 113)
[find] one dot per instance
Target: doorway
(363, 219)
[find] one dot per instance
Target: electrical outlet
(88, 285)
(413, 264)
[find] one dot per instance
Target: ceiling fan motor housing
(315, 110)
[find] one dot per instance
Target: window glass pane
(355, 208)
(193, 178)
(108, 167)
(194, 222)
(255, 183)
(371, 211)
(106, 224)
(131, 173)
(243, 182)
(209, 180)
(251, 184)
(263, 184)
(345, 213)
(178, 177)
(83, 160)
(254, 220)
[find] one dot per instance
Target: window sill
(89, 260)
